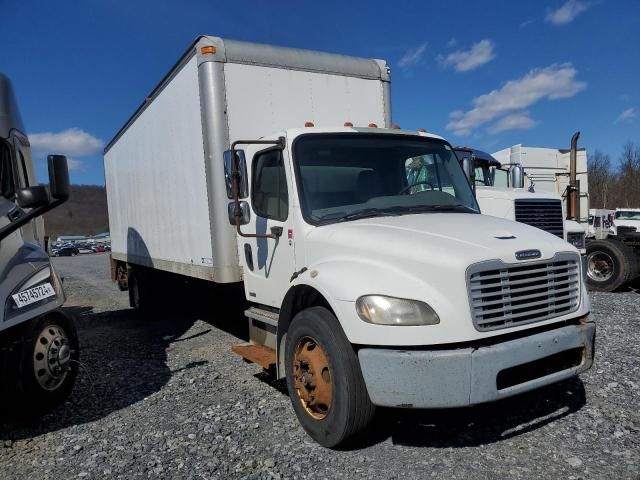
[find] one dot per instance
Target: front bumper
(468, 376)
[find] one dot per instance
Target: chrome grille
(541, 213)
(506, 295)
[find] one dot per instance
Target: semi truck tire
(324, 380)
(610, 264)
(47, 363)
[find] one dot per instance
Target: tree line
(615, 186)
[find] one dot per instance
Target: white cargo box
(164, 169)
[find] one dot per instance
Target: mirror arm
(24, 219)
(235, 182)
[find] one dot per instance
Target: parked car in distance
(98, 249)
(67, 252)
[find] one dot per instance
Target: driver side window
(269, 194)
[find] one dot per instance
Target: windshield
(627, 215)
(500, 177)
(348, 176)
(483, 174)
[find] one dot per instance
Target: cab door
(268, 263)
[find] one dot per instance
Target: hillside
(85, 213)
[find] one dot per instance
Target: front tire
(324, 380)
(47, 363)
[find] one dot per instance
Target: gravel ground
(168, 399)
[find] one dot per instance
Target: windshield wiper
(369, 212)
(364, 213)
(455, 207)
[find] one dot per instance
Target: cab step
(258, 354)
(262, 315)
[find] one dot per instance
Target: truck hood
(454, 238)
(423, 257)
(627, 223)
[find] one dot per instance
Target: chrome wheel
(312, 378)
(51, 357)
(600, 266)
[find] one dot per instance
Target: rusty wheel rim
(312, 378)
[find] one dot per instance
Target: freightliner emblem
(528, 254)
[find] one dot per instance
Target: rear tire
(610, 264)
(140, 293)
(324, 380)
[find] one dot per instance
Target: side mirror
(32, 197)
(59, 177)
(244, 212)
(516, 176)
(243, 183)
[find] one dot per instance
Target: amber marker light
(209, 49)
(309, 124)
(348, 124)
(373, 125)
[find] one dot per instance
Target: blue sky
(487, 74)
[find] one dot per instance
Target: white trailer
(269, 166)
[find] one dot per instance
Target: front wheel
(324, 380)
(610, 264)
(47, 363)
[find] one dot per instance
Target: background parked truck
(38, 343)
(274, 169)
(501, 192)
(612, 260)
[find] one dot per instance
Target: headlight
(576, 239)
(383, 310)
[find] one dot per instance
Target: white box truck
(268, 167)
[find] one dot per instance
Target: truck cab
(499, 196)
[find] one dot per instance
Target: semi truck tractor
(500, 192)
(612, 260)
(275, 170)
(38, 342)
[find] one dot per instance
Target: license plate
(32, 295)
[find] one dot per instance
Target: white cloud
(526, 23)
(567, 12)
(516, 121)
(465, 60)
(72, 141)
(412, 56)
(553, 82)
(452, 43)
(627, 116)
(73, 164)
